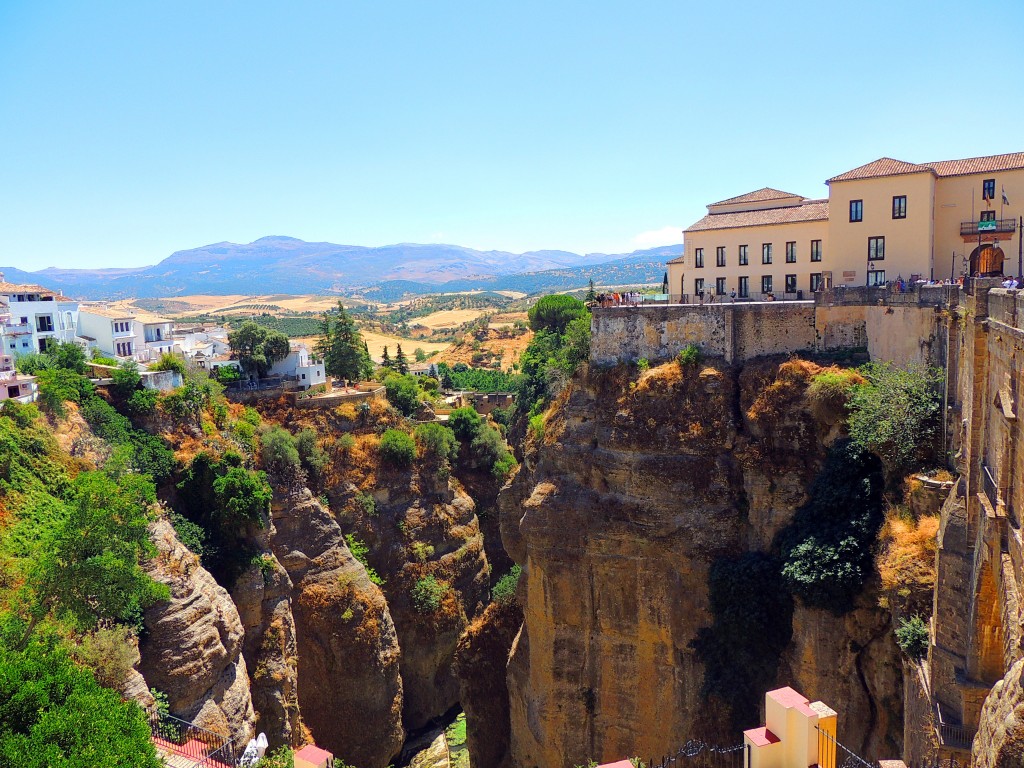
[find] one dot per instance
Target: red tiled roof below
(761, 737)
(810, 210)
(313, 754)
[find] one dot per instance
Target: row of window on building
(876, 252)
(742, 287)
(766, 254)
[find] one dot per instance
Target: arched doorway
(987, 260)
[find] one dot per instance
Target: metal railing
(179, 737)
(988, 484)
(956, 736)
(990, 227)
(698, 754)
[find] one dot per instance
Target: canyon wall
(638, 485)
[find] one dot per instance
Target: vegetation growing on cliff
(827, 549)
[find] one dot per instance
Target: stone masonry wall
(897, 329)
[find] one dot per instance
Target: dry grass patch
(906, 561)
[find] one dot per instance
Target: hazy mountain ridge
(288, 265)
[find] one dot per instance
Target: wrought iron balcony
(990, 227)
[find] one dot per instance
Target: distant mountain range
(288, 265)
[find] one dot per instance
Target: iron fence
(956, 736)
(205, 748)
(990, 227)
(698, 754)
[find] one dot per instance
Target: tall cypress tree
(342, 347)
(401, 363)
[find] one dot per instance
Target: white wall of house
(28, 320)
(116, 336)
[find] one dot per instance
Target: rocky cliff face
(480, 663)
(192, 647)
(349, 687)
(1000, 739)
(637, 486)
(263, 597)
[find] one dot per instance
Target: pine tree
(385, 359)
(401, 363)
(342, 347)
(591, 293)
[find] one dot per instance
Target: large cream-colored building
(884, 220)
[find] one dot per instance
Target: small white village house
(31, 316)
(14, 385)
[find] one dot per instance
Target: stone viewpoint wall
(902, 328)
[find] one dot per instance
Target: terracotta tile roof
(990, 164)
(887, 166)
(883, 166)
(678, 259)
(809, 210)
(112, 313)
(758, 196)
(8, 288)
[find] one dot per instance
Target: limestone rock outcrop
(481, 659)
(192, 647)
(637, 486)
(263, 597)
(1000, 739)
(349, 686)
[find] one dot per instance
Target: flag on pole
(1005, 201)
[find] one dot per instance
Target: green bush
(360, 551)
(347, 442)
(279, 453)
(191, 535)
(367, 504)
(169, 362)
(896, 415)
(148, 453)
(504, 591)
(31, 363)
(827, 548)
(397, 448)
(126, 379)
(226, 374)
(67, 355)
(643, 364)
(537, 426)
(436, 442)
(403, 393)
(60, 385)
(465, 423)
(503, 466)
(689, 355)
(142, 402)
(313, 459)
(427, 594)
(250, 416)
(109, 652)
(243, 495)
(913, 638)
(22, 414)
(45, 699)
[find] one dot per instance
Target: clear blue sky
(130, 130)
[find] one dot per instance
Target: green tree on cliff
(258, 348)
(342, 347)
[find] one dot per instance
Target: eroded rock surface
(1000, 739)
(349, 687)
(192, 647)
(639, 484)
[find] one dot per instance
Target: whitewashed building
(299, 367)
(125, 334)
(14, 385)
(31, 316)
